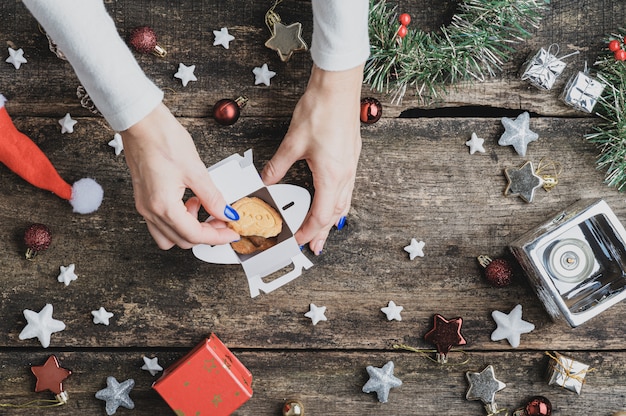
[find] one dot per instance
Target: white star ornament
(222, 37)
(262, 75)
(185, 73)
(510, 326)
(41, 325)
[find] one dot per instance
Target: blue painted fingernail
(230, 213)
(341, 223)
(302, 247)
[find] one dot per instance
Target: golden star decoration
(286, 40)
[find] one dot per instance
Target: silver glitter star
(483, 386)
(522, 182)
(116, 395)
(381, 381)
(517, 133)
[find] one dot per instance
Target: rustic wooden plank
(327, 382)
(185, 29)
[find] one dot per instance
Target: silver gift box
(565, 372)
(543, 69)
(582, 92)
(576, 261)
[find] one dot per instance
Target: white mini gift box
(236, 177)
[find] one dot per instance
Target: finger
(162, 241)
(276, 168)
(193, 205)
(211, 198)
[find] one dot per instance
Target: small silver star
(16, 57)
(222, 37)
(116, 395)
(415, 249)
(185, 73)
(101, 316)
(392, 311)
(67, 124)
(117, 144)
(483, 385)
(381, 381)
(67, 274)
(262, 75)
(151, 365)
(316, 313)
(41, 325)
(510, 326)
(517, 133)
(475, 144)
(522, 182)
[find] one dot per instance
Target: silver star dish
(522, 181)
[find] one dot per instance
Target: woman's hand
(163, 162)
(324, 131)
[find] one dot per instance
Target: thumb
(276, 168)
(212, 199)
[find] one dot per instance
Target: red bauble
(620, 55)
(402, 31)
(498, 272)
(538, 406)
(144, 40)
(614, 45)
(404, 19)
(227, 111)
(37, 238)
(371, 110)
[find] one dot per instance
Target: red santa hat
(20, 154)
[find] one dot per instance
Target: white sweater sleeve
(86, 34)
(340, 34)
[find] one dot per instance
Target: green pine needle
(475, 45)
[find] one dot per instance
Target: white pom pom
(2, 100)
(87, 196)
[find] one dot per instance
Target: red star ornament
(50, 376)
(445, 335)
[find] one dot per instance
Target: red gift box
(209, 380)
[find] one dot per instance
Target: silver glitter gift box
(576, 261)
(582, 92)
(566, 372)
(543, 69)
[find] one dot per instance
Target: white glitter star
(316, 313)
(67, 274)
(41, 325)
(517, 133)
(510, 326)
(101, 316)
(415, 249)
(222, 37)
(475, 144)
(16, 57)
(67, 124)
(392, 311)
(151, 365)
(185, 73)
(381, 381)
(262, 75)
(117, 144)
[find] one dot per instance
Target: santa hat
(20, 154)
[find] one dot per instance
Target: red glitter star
(50, 376)
(445, 335)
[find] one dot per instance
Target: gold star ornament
(285, 39)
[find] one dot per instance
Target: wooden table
(416, 179)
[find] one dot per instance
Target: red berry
(37, 238)
(614, 45)
(404, 19)
(620, 55)
(499, 273)
(402, 31)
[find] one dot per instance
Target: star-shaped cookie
(522, 181)
(510, 326)
(116, 394)
(50, 376)
(517, 133)
(286, 40)
(483, 385)
(381, 381)
(41, 325)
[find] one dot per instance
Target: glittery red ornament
(538, 406)
(445, 335)
(227, 111)
(498, 272)
(371, 110)
(50, 376)
(144, 40)
(37, 238)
